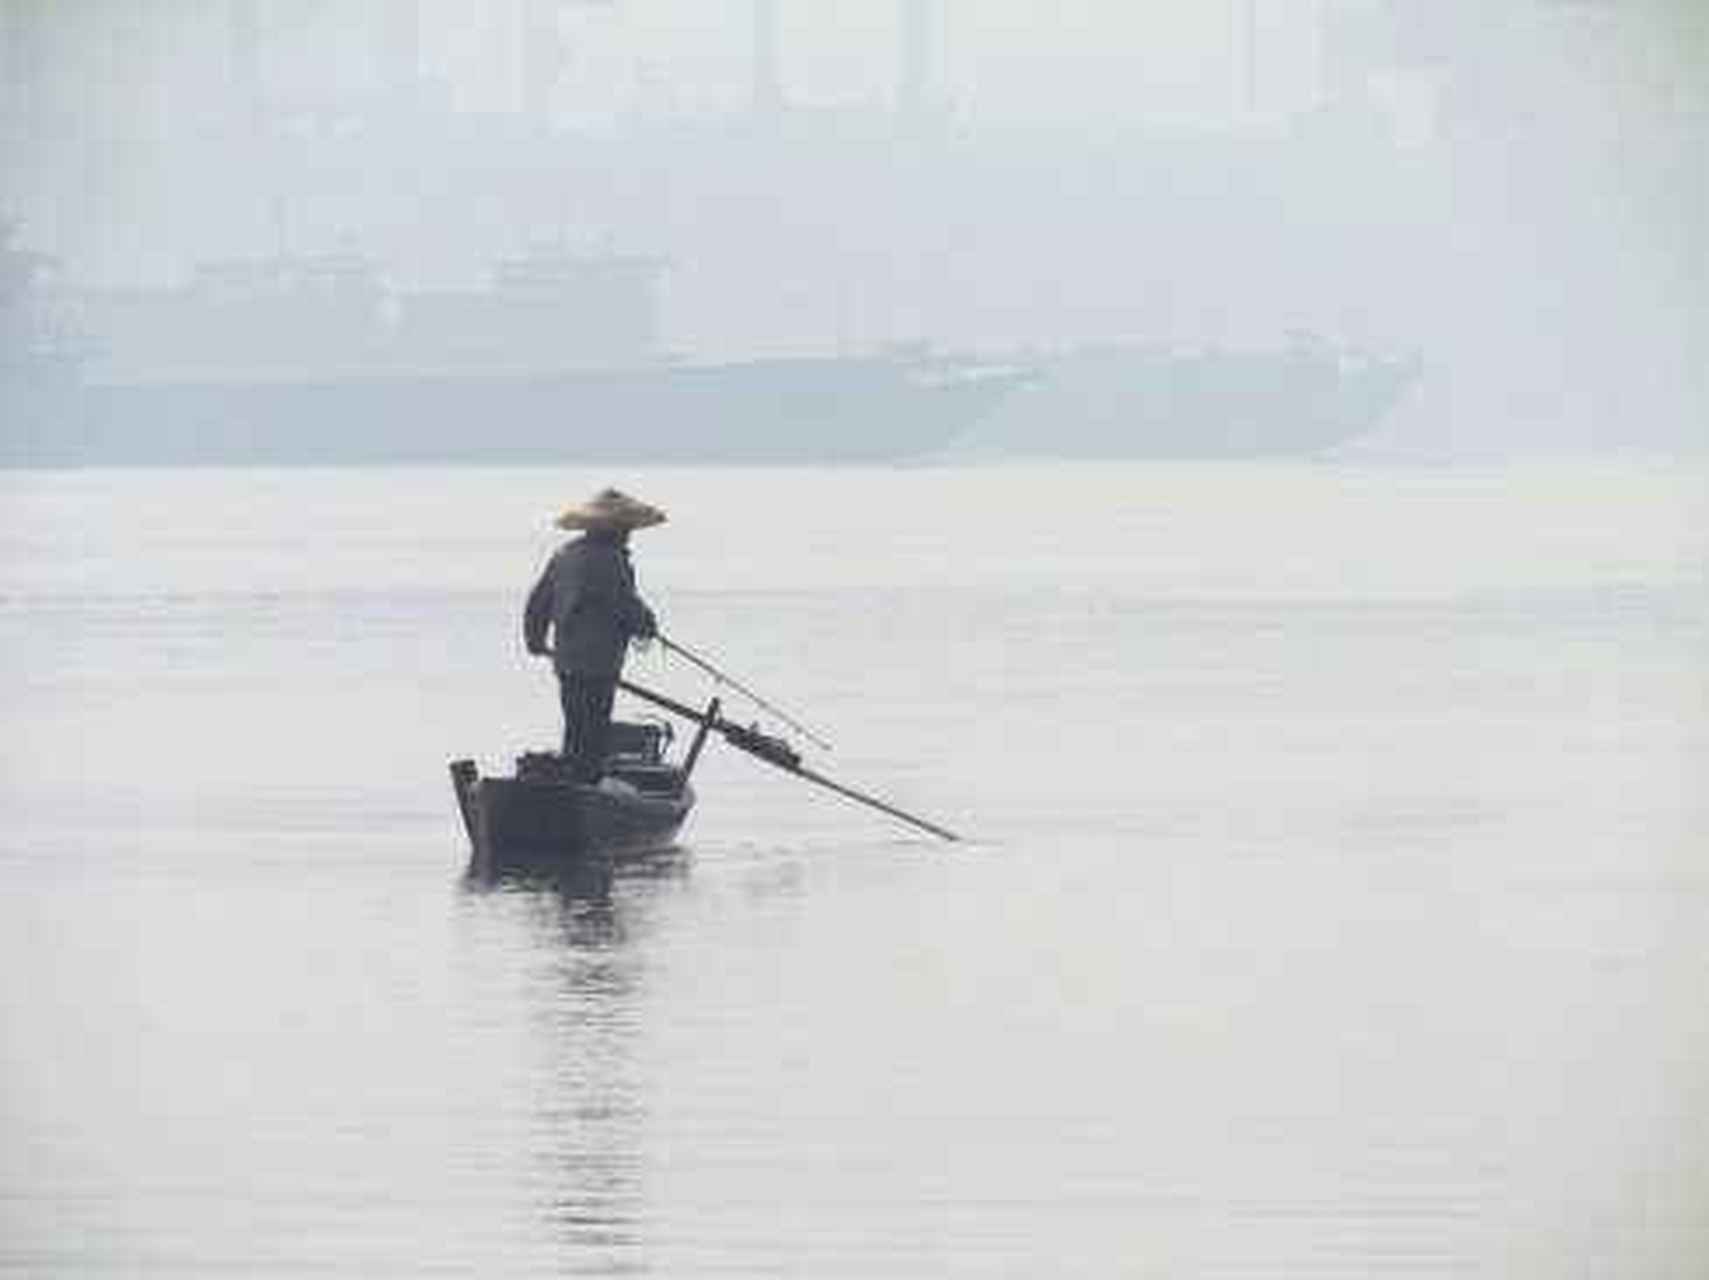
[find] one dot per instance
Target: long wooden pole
(778, 754)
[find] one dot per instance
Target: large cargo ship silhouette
(309, 360)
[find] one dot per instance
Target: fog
(1512, 195)
(1236, 463)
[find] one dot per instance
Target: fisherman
(587, 597)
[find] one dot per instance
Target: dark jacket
(587, 597)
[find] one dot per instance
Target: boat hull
(534, 823)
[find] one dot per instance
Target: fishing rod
(780, 755)
(684, 652)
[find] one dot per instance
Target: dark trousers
(586, 701)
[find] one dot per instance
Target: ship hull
(1134, 403)
(768, 411)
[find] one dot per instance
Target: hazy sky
(998, 61)
(1003, 59)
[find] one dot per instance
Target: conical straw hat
(610, 509)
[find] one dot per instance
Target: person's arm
(537, 614)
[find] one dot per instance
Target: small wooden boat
(540, 817)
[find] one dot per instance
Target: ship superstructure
(337, 315)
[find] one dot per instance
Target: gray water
(1332, 904)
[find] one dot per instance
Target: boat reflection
(586, 879)
(589, 930)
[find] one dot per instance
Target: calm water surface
(1335, 902)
